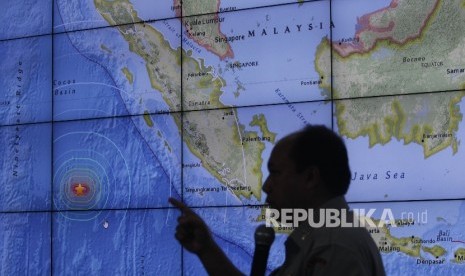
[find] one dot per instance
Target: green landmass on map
(205, 29)
(405, 48)
(459, 255)
(437, 251)
(128, 74)
(228, 152)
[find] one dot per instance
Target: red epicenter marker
(80, 189)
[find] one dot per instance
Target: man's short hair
(317, 145)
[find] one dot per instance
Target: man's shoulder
(350, 237)
(349, 232)
(352, 249)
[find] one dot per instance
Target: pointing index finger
(178, 204)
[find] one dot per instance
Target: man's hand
(194, 235)
(192, 232)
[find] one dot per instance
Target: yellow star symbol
(80, 190)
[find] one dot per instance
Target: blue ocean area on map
(106, 164)
(25, 158)
(25, 245)
(25, 85)
(136, 242)
(83, 87)
(20, 18)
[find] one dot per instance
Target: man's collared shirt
(331, 250)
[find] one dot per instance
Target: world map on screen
(110, 107)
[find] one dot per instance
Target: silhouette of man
(308, 169)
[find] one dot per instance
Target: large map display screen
(110, 107)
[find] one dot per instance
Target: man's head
(307, 168)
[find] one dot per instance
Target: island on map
(401, 49)
(228, 152)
